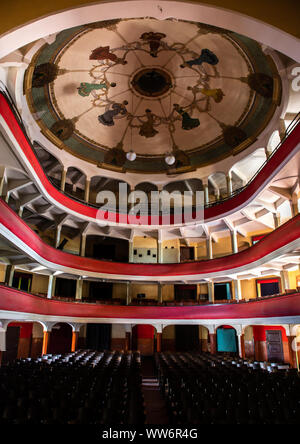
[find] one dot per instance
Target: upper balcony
(55, 191)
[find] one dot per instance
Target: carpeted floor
(156, 409)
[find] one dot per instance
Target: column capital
(128, 328)
(204, 181)
(158, 327)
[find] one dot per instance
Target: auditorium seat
(84, 387)
(213, 389)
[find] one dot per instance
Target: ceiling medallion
(151, 82)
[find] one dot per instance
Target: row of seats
(84, 387)
(200, 388)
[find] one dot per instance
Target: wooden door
(274, 345)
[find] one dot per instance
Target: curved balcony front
(284, 239)
(12, 125)
(17, 304)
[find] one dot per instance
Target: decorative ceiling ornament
(116, 156)
(63, 129)
(136, 83)
(261, 83)
(233, 135)
(154, 41)
(44, 74)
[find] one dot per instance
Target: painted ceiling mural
(152, 87)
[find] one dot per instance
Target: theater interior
(149, 213)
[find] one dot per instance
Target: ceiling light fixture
(131, 156)
(170, 159)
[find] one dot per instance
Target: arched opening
(273, 141)
(246, 168)
(60, 338)
(147, 187)
(75, 182)
(217, 186)
(23, 340)
(168, 339)
(187, 338)
(51, 165)
(99, 183)
(227, 340)
(98, 336)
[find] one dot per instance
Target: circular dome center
(151, 82)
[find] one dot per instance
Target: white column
(128, 293)
(2, 341)
(237, 289)
(82, 244)
(294, 205)
(205, 189)
(234, 242)
(285, 281)
(211, 292)
(209, 248)
(159, 252)
(57, 235)
(229, 183)
(2, 180)
(63, 180)
(130, 251)
(79, 284)
(178, 251)
(196, 252)
(9, 274)
(276, 217)
(159, 293)
(87, 190)
(51, 286)
(239, 341)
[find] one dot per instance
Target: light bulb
(131, 155)
(170, 159)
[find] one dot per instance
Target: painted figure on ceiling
(154, 40)
(206, 56)
(216, 93)
(103, 53)
(188, 122)
(107, 118)
(86, 88)
(147, 129)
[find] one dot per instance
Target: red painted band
(285, 234)
(16, 300)
(84, 209)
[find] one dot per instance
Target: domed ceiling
(152, 87)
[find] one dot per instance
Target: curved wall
(280, 241)
(9, 122)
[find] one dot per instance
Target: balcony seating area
(84, 387)
(216, 389)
